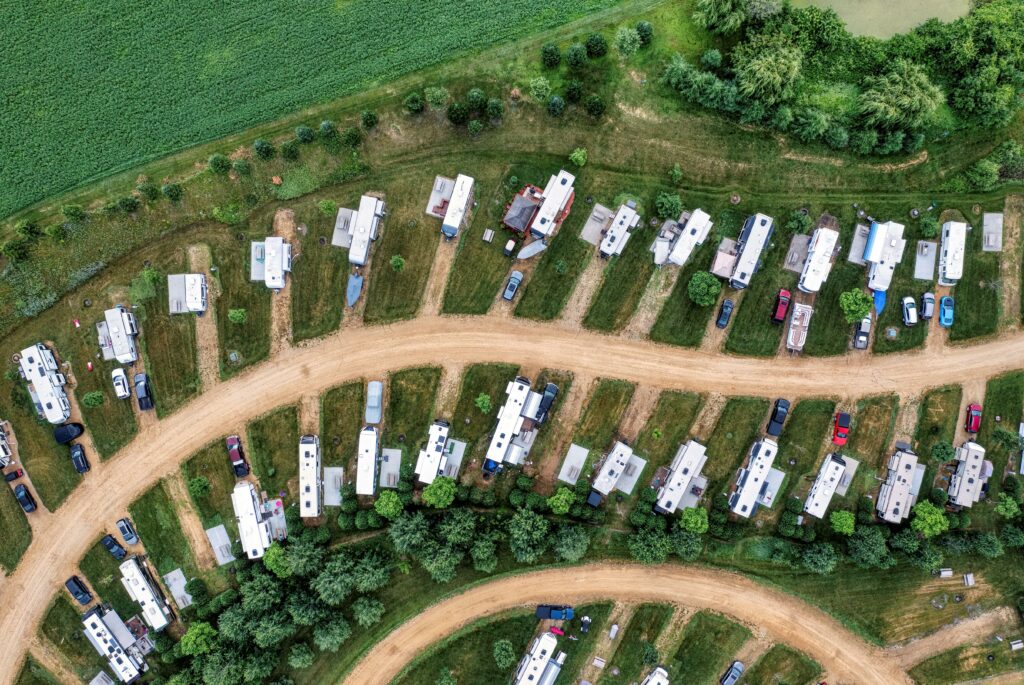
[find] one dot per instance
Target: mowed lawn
(156, 521)
(33, 673)
(603, 412)
(103, 573)
(341, 419)
(412, 394)
(937, 418)
(320, 271)
(625, 278)
(977, 297)
(546, 292)
(803, 436)
(737, 428)
(469, 423)
(15, 533)
(62, 626)
(274, 450)
(782, 664)
(872, 426)
(668, 426)
(1004, 397)
(681, 321)
(249, 342)
(212, 463)
(709, 643)
(643, 628)
(967, 663)
(891, 319)
(829, 333)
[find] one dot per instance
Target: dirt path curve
(968, 631)
(784, 618)
(63, 538)
(207, 346)
(190, 523)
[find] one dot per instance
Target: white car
(909, 311)
(121, 387)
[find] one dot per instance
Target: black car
(114, 547)
(78, 459)
(67, 432)
(78, 590)
(14, 475)
(25, 498)
(142, 391)
(546, 400)
(779, 413)
(724, 313)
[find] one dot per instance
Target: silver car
(927, 306)
(120, 381)
(909, 311)
(862, 333)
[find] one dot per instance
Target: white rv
(253, 526)
(311, 485)
(951, 258)
(366, 467)
(433, 458)
(269, 261)
(45, 383)
(757, 232)
(819, 260)
(116, 335)
(558, 196)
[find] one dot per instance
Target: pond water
(884, 18)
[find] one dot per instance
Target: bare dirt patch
(604, 647)
(206, 326)
(309, 414)
(579, 301)
(706, 419)
(658, 290)
(1009, 262)
(448, 389)
(281, 302)
(640, 408)
(190, 523)
(547, 466)
(433, 296)
(906, 420)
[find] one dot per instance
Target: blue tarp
(354, 289)
(879, 301)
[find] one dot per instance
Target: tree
(843, 522)
(943, 451)
(413, 103)
(172, 191)
(649, 546)
(597, 46)
(855, 303)
(686, 545)
(495, 108)
(627, 41)
(649, 655)
(903, 97)
(397, 263)
(126, 204)
(264, 149)
(389, 505)
(556, 105)
(300, 656)
(528, 536)
(668, 205)
(218, 163)
(988, 545)
(440, 494)
(458, 113)
(561, 501)
(703, 289)
(368, 118)
(304, 134)
(767, 69)
(867, 548)
(594, 105)
(720, 16)
(436, 96)
(1007, 439)
(74, 213)
(540, 88)
(579, 157)
(441, 562)
(484, 553)
(367, 611)
(458, 527)
(820, 558)
(929, 520)
(929, 227)
(646, 33)
(550, 55)
(446, 678)
(93, 399)
(1012, 536)
(199, 487)
(983, 176)
(371, 572)
(483, 403)
(571, 543)
(335, 583)
(505, 655)
(711, 59)
(475, 127)
(201, 638)
(305, 553)
(576, 56)
(409, 533)
(330, 634)
(351, 137)
(1007, 507)
(237, 316)
(695, 520)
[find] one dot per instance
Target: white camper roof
(366, 468)
(364, 228)
(825, 485)
(101, 635)
(899, 492)
(276, 260)
(659, 676)
(757, 231)
(694, 233)
(536, 660)
(972, 472)
(432, 459)
(686, 465)
(186, 293)
(39, 366)
(753, 477)
(557, 194)
(139, 588)
(612, 468)
(615, 239)
(819, 259)
(310, 477)
(883, 251)
(951, 257)
(253, 530)
(510, 419)
(120, 328)
(458, 205)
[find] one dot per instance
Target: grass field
(468, 422)
(937, 418)
(644, 627)
(159, 529)
(803, 435)
(274, 449)
(967, 663)
(579, 650)
(709, 643)
(15, 533)
(250, 341)
(341, 419)
(829, 333)
(873, 423)
(782, 665)
(62, 626)
(319, 273)
(410, 408)
(730, 441)
(604, 409)
(212, 462)
(1004, 397)
(549, 287)
(554, 425)
(625, 278)
(668, 426)
(903, 284)
(978, 295)
(33, 673)
(681, 321)
(104, 576)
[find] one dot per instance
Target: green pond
(884, 18)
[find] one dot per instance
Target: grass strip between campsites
(638, 637)
(668, 426)
(274, 450)
(156, 521)
(709, 643)
(603, 412)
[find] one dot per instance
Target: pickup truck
(554, 612)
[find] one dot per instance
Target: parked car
(234, 445)
(546, 400)
(142, 391)
(782, 301)
(514, 279)
(861, 333)
(946, 311)
(841, 428)
(779, 413)
(554, 612)
(725, 313)
(374, 402)
(510, 247)
(127, 531)
(121, 387)
(67, 432)
(78, 458)
(25, 498)
(909, 311)
(78, 590)
(14, 475)
(927, 306)
(114, 547)
(972, 424)
(555, 630)
(585, 624)
(733, 674)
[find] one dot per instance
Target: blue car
(946, 312)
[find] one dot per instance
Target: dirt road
(63, 537)
(845, 657)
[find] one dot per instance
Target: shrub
(703, 289)
(495, 108)
(550, 55)
(238, 316)
(290, 150)
(864, 142)
(594, 106)
(597, 46)
(242, 167)
(148, 191)
(711, 59)
(505, 655)
(540, 88)
(199, 487)
(328, 129)
(476, 100)
(929, 227)
(219, 164)
(458, 113)
(436, 96)
(837, 136)
(327, 207)
(668, 205)
(413, 103)
(799, 222)
(73, 213)
(475, 127)
(983, 176)
(579, 157)
(128, 204)
(576, 56)
(627, 41)
(483, 403)
(574, 91)
(646, 33)
(556, 106)
(93, 399)
(351, 137)
(304, 134)
(368, 118)
(856, 304)
(675, 174)
(264, 149)
(397, 263)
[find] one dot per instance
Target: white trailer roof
(458, 205)
(125, 666)
(140, 588)
(510, 419)
(269, 260)
(186, 293)
(899, 492)
(883, 251)
(536, 660)
(829, 475)
(819, 259)
(659, 676)
(753, 477)
(364, 228)
(366, 468)
(612, 468)
(432, 459)
(757, 231)
(694, 233)
(440, 195)
(617, 235)
(686, 465)
(310, 477)
(972, 472)
(121, 329)
(253, 529)
(39, 366)
(951, 257)
(799, 324)
(557, 194)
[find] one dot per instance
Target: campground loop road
(845, 656)
(63, 537)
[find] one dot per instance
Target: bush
(74, 213)
(576, 56)
(327, 207)
(711, 59)
(505, 655)
(837, 137)
(495, 108)
(703, 289)
(328, 129)
(646, 33)
(983, 176)
(475, 127)
(556, 106)
(148, 191)
(351, 137)
(238, 316)
(436, 96)
(397, 263)
(172, 191)
(597, 46)
(458, 113)
(550, 55)
(199, 487)
(540, 88)
(290, 150)
(219, 164)
(242, 167)
(668, 205)
(929, 227)
(264, 149)
(579, 157)
(304, 134)
(368, 118)
(594, 106)
(864, 142)
(128, 204)
(856, 304)
(413, 103)
(93, 399)
(799, 222)
(574, 91)
(627, 41)
(476, 100)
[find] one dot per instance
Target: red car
(234, 445)
(557, 631)
(14, 475)
(973, 422)
(841, 428)
(781, 306)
